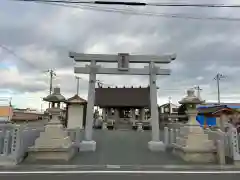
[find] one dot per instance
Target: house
(6, 113)
(230, 105)
(230, 111)
(168, 112)
(20, 116)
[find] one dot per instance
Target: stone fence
(16, 139)
(226, 143)
(14, 142)
(76, 135)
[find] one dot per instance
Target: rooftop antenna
(198, 91)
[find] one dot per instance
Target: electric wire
(142, 13)
(131, 3)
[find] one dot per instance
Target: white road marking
(119, 172)
(185, 167)
(113, 166)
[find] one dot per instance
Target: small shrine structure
(76, 112)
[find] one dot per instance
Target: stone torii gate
(123, 60)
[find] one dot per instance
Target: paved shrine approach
(123, 60)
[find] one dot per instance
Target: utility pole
(218, 77)
(52, 74)
(78, 78)
(198, 91)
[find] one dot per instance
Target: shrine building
(125, 105)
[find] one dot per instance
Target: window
(175, 110)
(166, 109)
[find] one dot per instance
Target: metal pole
(51, 80)
(78, 78)
(218, 88)
(218, 77)
(52, 74)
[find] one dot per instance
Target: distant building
(168, 112)
(6, 113)
(212, 114)
(26, 116)
(230, 105)
(215, 115)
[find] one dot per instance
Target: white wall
(75, 116)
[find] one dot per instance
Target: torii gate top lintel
(110, 58)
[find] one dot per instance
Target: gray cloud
(43, 35)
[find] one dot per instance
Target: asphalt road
(106, 176)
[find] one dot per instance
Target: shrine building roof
(76, 99)
(122, 97)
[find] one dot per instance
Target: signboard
(123, 62)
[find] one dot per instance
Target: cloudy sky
(39, 36)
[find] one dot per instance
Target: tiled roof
(25, 116)
(76, 100)
(122, 97)
(56, 96)
(215, 109)
(228, 104)
(163, 105)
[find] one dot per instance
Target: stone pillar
(142, 114)
(222, 121)
(218, 121)
(205, 122)
(55, 116)
(133, 114)
(104, 114)
(88, 144)
(110, 116)
(116, 114)
(155, 144)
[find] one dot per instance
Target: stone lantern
(191, 102)
(55, 99)
(193, 144)
(54, 143)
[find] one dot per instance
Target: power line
(17, 56)
(142, 13)
(125, 3)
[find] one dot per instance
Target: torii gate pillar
(155, 144)
(123, 60)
